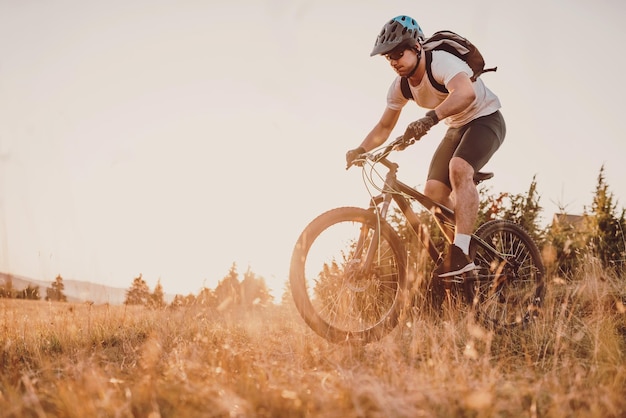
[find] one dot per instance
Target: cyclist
(476, 128)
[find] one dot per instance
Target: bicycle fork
(374, 241)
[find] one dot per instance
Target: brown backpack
(455, 44)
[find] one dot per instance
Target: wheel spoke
(509, 284)
(337, 295)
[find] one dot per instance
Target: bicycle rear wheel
(508, 286)
(336, 295)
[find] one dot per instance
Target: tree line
(569, 240)
(229, 294)
(53, 293)
(566, 243)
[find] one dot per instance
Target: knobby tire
(334, 295)
(507, 289)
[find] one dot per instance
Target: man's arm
(381, 131)
(461, 96)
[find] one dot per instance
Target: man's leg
(465, 195)
(479, 140)
(465, 212)
(439, 192)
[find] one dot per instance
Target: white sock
(462, 241)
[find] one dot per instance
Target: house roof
(575, 221)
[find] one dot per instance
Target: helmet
(401, 30)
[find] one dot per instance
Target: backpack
(454, 44)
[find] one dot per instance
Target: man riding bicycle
(476, 128)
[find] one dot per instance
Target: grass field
(80, 360)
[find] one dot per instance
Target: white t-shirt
(444, 67)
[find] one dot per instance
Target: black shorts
(475, 142)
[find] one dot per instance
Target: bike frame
(397, 191)
(349, 291)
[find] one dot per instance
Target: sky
(172, 139)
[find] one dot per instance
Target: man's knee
(460, 170)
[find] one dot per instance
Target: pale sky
(173, 138)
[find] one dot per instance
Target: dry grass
(113, 361)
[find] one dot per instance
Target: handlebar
(398, 144)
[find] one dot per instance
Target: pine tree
(157, 297)
(184, 301)
(606, 227)
(139, 293)
(55, 291)
(31, 292)
(228, 290)
(254, 291)
(7, 290)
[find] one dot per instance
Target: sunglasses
(395, 55)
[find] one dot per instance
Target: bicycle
(349, 266)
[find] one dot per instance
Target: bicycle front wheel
(509, 282)
(337, 294)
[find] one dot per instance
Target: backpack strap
(406, 89)
(404, 82)
(429, 71)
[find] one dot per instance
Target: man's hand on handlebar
(419, 128)
(400, 143)
(352, 155)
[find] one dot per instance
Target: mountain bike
(349, 267)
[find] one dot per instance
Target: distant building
(567, 221)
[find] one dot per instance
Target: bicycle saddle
(480, 176)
